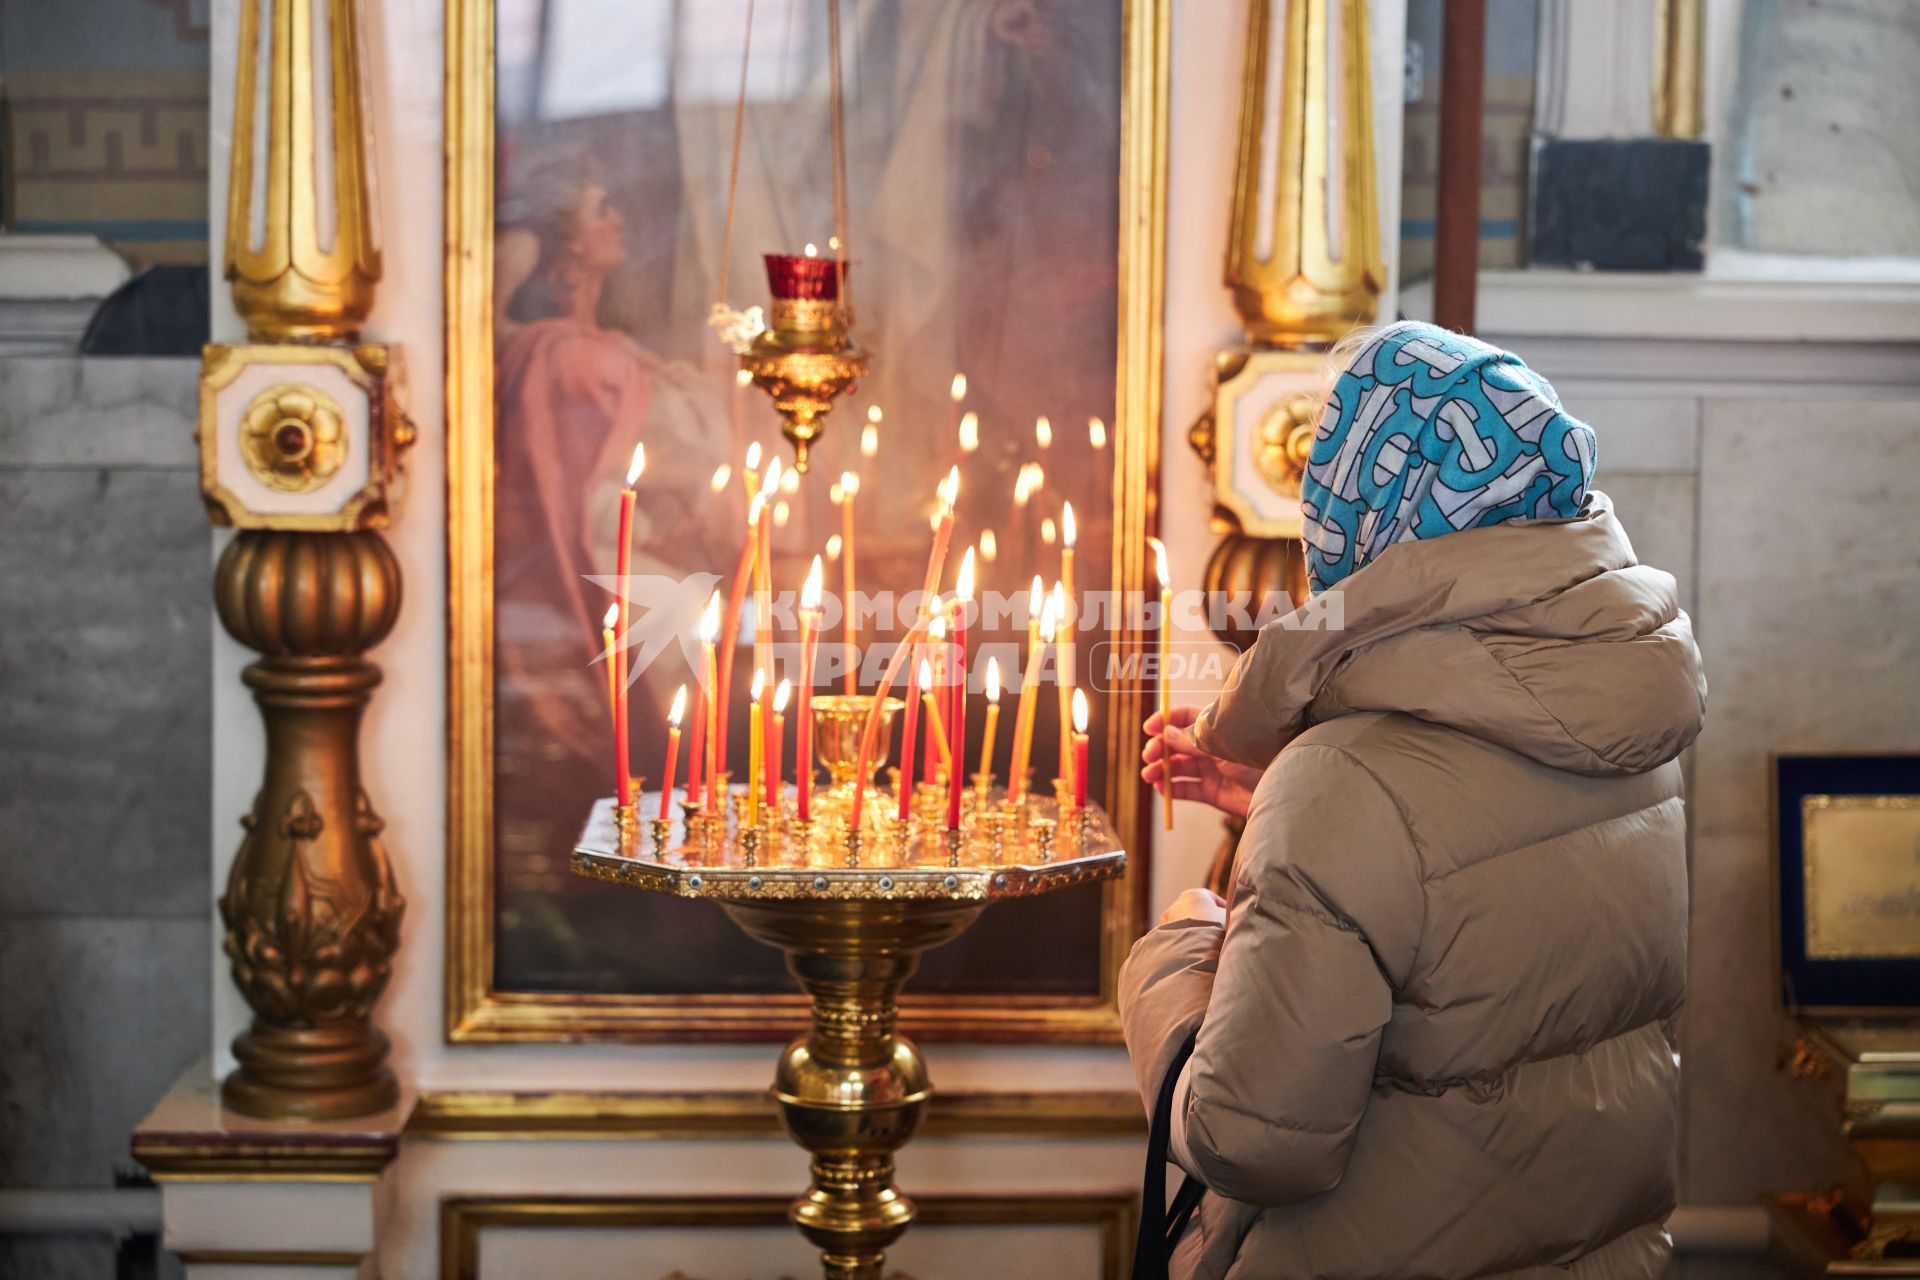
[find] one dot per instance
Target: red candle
(906, 747)
(933, 675)
(723, 699)
(776, 754)
(849, 487)
(700, 755)
(863, 762)
(623, 566)
(1079, 749)
(763, 612)
(673, 752)
(809, 638)
(957, 718)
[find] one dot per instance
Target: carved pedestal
(311, 913)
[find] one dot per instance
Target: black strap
(1161, 1224)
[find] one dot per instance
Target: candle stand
(851, 1090)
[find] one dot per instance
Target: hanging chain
(733, 168)
(837, 100)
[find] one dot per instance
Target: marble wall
(104, 750)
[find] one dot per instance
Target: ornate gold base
(852, 1091)
(313, 1073)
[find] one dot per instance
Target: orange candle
(623, 560)
(673, 752)
(607, 634)
(1069, 618)
(849, 486)
(1040, 626)
(723, 698)
(763, 606)
(701, 754)
(756, 745)
(862, 768)
(809, 638)
(992, 730)
(957, 722)
(1080, 749)
(906, 754)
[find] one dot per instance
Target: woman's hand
(1172, 759)
(1196, 904)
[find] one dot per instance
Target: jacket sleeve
(1326, 916)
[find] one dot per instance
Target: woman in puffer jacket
(1432, 1026)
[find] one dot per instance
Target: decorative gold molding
(1679, 51)
(588, 1115)
(474, 1010)
(1303, 247)
(230, 1157)
(463, 1220)
(300, 271)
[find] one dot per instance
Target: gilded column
(300, 440)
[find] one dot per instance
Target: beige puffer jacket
(1434, 1035)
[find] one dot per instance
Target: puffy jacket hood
(1545, 637)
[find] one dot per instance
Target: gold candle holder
(1063, 794)
(902, 833)
(953, 839)
(1082, 828)
(1043, 831)
(661, 829)
(996, 829)
(982, 786)
(750, 846)
(853, 847)
(628, 819)
(839, 720)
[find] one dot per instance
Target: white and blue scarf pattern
(1428, 432)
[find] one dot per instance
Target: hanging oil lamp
(805, 358)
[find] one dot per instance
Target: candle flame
(722, 474)
(1049, 533)
(1079, 710)
(679, 707)
(849, 483)
(759, 683)
(743, 377)
(833, 243)
(969, 431)
(754, 508)
(1068, 530)
(1043, 432)
(989, 546)
(753, 456)
(1049, 620)
(963, 587)
(1096, 433)
(950, 488)
(926, 677)
(1036, 597)
(993, 679)
(869, 439)
(637, 465)
(813, 250)
(780, 696)
(789, 481)
(874, 415)
(771, 480)
(782, 513)
(1160, 562)
(612, 617)
(959, 388)
(937, 628)
(810, 593)
(835, 494)
(833, 548)
(710, 620)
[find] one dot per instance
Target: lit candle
(905, 787)
(1080, 749)
(992, 730)
(750, 472)
(809, 638)
(1043, 432)
(957, 390)
(673, 752)
(989, 547)
(870, 434)
(1160, 668)
(756, 745)
(730, 638)
(1069, 618)
(969, 431)
(849, 489)
(937, 748)
(1096, 433)
(1040, 628)
(777, 750)
(1063, 677)
(957, 722)
(862, 763)
(608, 623)
(623, 558)
(936, 562)
(722, 476)
(701, 773)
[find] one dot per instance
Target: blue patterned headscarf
(1428, 432)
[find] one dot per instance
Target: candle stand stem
(851, 1091)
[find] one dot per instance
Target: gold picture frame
(463, 1219)
(476, 1010)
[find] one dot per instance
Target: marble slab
(105, 692)
(1659, 515)
(98, 411)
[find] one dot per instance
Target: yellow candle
(607, 625)
(756, 747)
(992, 729)
(849, 487)
(1039, 636)
(1063, 663)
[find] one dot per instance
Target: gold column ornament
(1679, 45)
(302, 253)
(301, 435)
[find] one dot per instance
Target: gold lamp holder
(805, 359)
(301, 436)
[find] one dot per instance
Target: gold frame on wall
(475, 1010)
(462, 1219)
